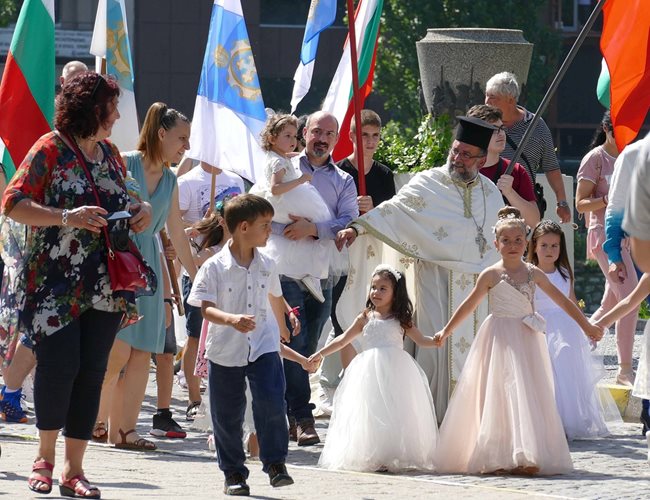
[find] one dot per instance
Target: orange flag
(625, 44)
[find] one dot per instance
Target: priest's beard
(460, 172)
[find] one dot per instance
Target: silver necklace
(480, 240)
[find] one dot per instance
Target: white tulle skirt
(383, 417)
(584, 410)
(308, 256)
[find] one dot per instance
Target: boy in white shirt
(239, 293)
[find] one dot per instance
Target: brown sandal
(100, 433)
(140, 444)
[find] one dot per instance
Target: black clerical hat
(474, 131)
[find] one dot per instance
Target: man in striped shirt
(502, 91)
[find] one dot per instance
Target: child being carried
(291, 195)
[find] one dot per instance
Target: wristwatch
(562, 204)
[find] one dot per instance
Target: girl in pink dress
(502, 417)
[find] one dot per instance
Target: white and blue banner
(111, 43)
(229, 112)
(322, 14)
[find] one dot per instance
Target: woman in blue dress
(163, 140)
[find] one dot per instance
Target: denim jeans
(70, 368)
(228, 404)
(313, 316)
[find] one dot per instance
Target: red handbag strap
(75, 148)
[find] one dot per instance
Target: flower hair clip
(385, 267)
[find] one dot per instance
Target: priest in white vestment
(438, 230)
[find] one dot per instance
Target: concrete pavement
(615, 467)
(609, 468)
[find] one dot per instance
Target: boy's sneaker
(235, 485)
(278, 475)
(313, 285)
(10, 409)
(165, 426)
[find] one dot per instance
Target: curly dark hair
(83, 103)
(402, 307)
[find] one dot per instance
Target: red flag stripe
(19, 112)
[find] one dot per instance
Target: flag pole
(555, 83)
(356, 98)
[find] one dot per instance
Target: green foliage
(428, 148)
(8, 11)
(405, 22)
(644, 310)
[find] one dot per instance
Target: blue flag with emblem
(322, 14)
(229, 113)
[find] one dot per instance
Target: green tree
(8, 11)
(405, 22)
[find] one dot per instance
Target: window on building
(292, 12)
(573, 14)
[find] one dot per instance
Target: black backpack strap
(514, 146)
(498, 171)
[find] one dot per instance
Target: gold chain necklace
(480, 240)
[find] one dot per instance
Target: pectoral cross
(481, 242)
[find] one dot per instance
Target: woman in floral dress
(68, 307)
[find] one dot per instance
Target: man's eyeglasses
(464, 155)
(499, 129)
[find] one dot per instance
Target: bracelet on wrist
(169, 301)
(64, 217)
(605, 199)
(562, 204)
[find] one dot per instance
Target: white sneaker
(313, 285)
(647, 437)
(326, 402)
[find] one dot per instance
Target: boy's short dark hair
(245, 207)
(486, 113)
(368, 117)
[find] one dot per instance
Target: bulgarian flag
(339, 97)
(625, 45)
(27, 88)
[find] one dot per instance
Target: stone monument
(455, 64)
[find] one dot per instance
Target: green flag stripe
(35, 25)
(368, 44)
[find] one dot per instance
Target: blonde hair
(509, 217)
(158, 115)
(274, 125)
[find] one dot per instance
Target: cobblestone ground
(610, 468)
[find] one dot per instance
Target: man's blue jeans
(313, 316)
(228, 404)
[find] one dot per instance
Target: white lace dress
(502, 414)
(383, 414)
(308, 256)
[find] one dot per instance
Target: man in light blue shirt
(340, 194)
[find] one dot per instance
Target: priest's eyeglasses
(464, 155)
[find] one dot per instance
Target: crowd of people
(261, 273)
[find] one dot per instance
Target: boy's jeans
(228, 403)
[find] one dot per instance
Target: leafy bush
(428, 148)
